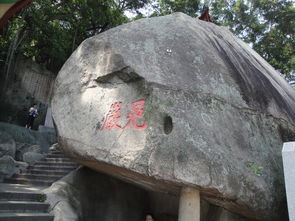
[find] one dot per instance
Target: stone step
(49, 172)
(26, 217)
(23, 206)
(55, 152)
(40, 163)
(27, 206)
(55, 160)
(29, 181)
(37, 176)
(53, 167)
(55, 156)
(20, 196)
(10, 187)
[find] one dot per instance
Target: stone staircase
(21, 197)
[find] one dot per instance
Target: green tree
(267, 25)
(277, 45)
(189, 7)
(48, 31)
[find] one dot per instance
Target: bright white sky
(147, 11)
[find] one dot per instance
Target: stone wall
(36, 80)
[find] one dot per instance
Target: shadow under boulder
(87, 195)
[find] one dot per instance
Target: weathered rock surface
(23, 148)
(20, 150)
(64, 199)
(7, 145)
(26, 136)
(32, 157)
(191, 105)
(85, 194)
(8, 166)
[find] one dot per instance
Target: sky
(148, 9)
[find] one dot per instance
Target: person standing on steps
(33, 113)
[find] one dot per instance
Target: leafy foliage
(49, 30)
(257, 170)
(185, 6)
(42, 198)
(267, 25)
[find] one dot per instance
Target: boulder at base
(8, 167)
(32, 157)
(7, 145)
(173, 101)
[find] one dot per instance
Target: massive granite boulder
(173, 101)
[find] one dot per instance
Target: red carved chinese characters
(114, 114)
(113, 117)
(137, 112)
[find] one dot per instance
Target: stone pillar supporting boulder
(189, 204)
(288, 153)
